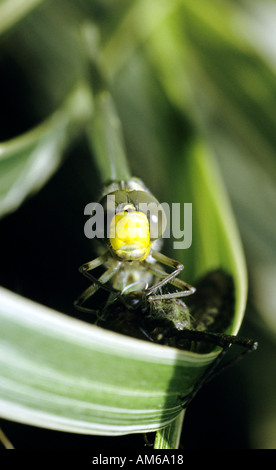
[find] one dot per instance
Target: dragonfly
(131, 254)
(131, 239)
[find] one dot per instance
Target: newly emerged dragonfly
(131, 241)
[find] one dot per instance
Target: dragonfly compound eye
(130, 235)
(149, 205)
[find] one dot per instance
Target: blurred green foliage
(177, 70)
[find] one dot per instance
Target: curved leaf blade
(12, 11)
(64, 374)
(216, 240)
(28, 161)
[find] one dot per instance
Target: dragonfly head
(134, 300)
(133, 220)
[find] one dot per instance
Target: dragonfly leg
(185, 288)
(84, 297)
(95, 263)
(97, 283)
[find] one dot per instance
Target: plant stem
(105, 134)
(169, 437)
(5, 441)
(107, 141)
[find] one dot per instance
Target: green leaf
(28, 161)
(60, 373)
(12, 11)
(130, 26)
(216, 241)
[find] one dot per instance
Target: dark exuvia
(171, 321)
